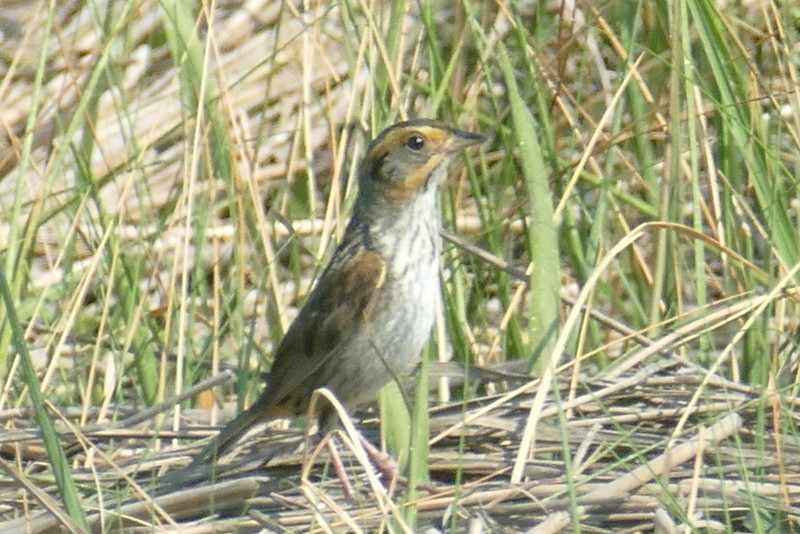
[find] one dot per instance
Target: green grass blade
(542, 238)
(55, 453)
(744, 127)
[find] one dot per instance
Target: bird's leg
(348, 433)
(385, 463)
(338, 468)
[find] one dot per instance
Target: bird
(373, 307)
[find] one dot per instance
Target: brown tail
(203, 465)
(232, 432)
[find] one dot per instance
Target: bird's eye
(415, 142)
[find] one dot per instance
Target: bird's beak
(461, 139)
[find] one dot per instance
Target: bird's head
(410, 157)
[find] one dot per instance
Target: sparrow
(373, 307)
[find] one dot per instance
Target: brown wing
(339, 304)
